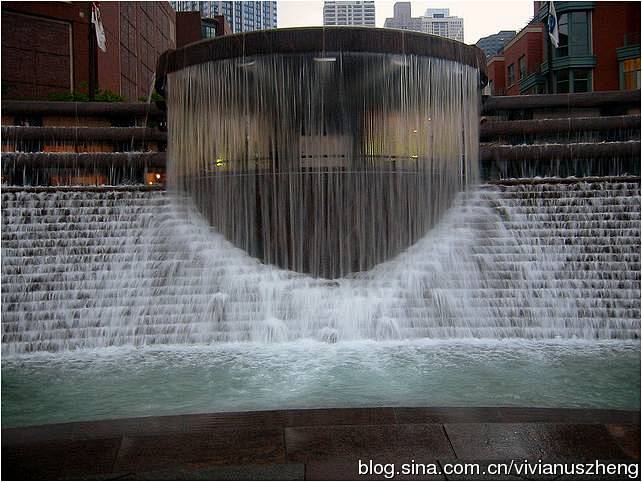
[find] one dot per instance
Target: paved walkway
(319, 444)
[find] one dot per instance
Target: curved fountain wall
(328, 157)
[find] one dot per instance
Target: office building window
(630, 78)
(208, 31)
(579, 34)
(522, 66)
(581, 80)
(562, 84)
(511, 74)
(562, 49)
(575, 34)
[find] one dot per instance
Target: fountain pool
(128, 382)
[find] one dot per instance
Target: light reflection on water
(126, 381)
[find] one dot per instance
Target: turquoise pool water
(128, 382)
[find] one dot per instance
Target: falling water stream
(325, 164)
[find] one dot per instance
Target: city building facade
(435, 21)
(493, 44)
(355, 12)
(191, 27)
(495, 69)
(241, 16)
(402, 18)
(46, 49)
(599, 49)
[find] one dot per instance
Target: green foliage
(82, 95)
(156, 97)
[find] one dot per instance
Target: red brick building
(45, 47)
(599, 49)
(496, 69)
(523, 57)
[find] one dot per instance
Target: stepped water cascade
(90, 269)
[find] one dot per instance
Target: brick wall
(44, 48)
(141, 31)
(497, 74)
(527, 43)
(611, 21)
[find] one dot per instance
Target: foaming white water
(82, 270)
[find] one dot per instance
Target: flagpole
(549, 44)
(91, 47)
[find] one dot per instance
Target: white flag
(553, 29)
(98, 26)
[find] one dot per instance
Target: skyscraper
(242, 16)
(349, 13)
(436, 21)
(492, 44)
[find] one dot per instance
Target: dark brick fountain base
(316, 444)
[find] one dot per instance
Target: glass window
(208, 31)
(579, 44)
(511, 74)
(522, 67)
(574, 33)
(562, 82)
(562, 49)
(581, 80)
(631, 74)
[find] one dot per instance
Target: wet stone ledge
(314, 444)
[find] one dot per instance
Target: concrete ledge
(88, 159)
(315, 444)
(492, 128)
(562, 180)
(547, 152)
(87, 134)
(130, 188)
(586, 99)
(318, 39)
(82, 109)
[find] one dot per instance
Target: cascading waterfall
(93, 269)
(323, 163)
(304, 186)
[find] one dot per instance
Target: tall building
(349, 13)
(241, 16)
(493, 44)
(436, 21)
(403, 19)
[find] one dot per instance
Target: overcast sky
(481, 18)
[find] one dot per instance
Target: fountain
(329, 151)
(324, 209)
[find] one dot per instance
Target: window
(208, 31)
(630, 74)
(581, 80)
(575, 37)
(511, 74)
(562, 82)
(573, 80)
(579, 34)
(522, 66)
(562, 49)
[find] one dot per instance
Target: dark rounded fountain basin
(323, 150)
